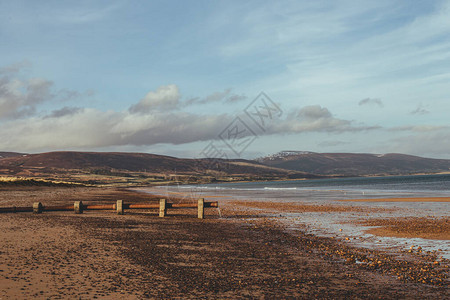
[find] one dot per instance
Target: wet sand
(242, 254)
(301, 207)
(405, 199)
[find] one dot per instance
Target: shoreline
(319, 177)
(344, 219)
(242, 253)
(400, 199)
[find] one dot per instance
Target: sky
(225, 78)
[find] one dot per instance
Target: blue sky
(169, 77)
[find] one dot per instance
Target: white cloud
(431, 143)
(20, 97)
(314, 112)
(156, 119)
(371, 101)
(166, 97)
(338, 49)
(315, 118)
(226, 96)
(65, 111)
(90, 128)
(420, 110)
(72, 128)
(420, 128)
(15, 67)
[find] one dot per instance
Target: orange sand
(426, 228)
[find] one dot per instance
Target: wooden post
(78, 207)
(162, 208)
(119, 207)
(37, 207)
(201, 208)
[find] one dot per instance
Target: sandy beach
(241, 253)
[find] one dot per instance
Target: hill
(10, 154)
(355, 164)
(143, 168)
(95, 166)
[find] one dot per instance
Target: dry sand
(61, 255)
(425, 228)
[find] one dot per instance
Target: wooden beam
(201, 208)
(37, 207)
(119, 207)
(78, 207)
(162, 208)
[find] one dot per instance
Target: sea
(334, 188)
(331, 192)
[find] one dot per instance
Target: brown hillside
(9, 154)
(131, 162)
(356, 164)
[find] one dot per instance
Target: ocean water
(396, 185)
(331, 191)
(325, 190)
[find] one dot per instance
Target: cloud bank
(157, 118)
(19, 98)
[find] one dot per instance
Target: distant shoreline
(405, 199)
(305, 179)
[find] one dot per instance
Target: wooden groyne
(79, 207)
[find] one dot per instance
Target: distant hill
(355, 164)
(83, 160)
(143, 168)
(10, 154)
(123, 164)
